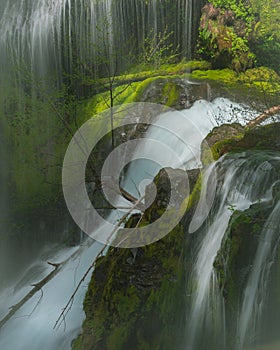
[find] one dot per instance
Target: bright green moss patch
(262, 78)
(134, 84)
(168, 95)
(223, 75)
(171, 91)
(178, 68)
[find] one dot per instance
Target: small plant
(232, 208)
(158, 48)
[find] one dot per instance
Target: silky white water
(35, 328)
(32, 326)
(243, 180)
(40, 42)
(256, 288)
(183, 131)
(53, 37)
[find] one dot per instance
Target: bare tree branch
(69, 304)
(264, 116)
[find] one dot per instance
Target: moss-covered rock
(239, 247)
(173, 92)
(130, 305)
(134, 298)
(235, 138)
(213, 145)
(233, 263)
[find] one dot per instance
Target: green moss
(167, 69)
(189, 66)
(238, 249)
(223, 147)
(194, 197)
(137, 82)
(223, 75)
(233, 138)
(239, 34)
(136, 96)
(135, 305)
(263, 79)
(171, 91)
(259, 138)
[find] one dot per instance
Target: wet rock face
(163, 185)
(174, 92)
(135, 297)
(235, 138)
(225, 131)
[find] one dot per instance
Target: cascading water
(253, 303)
(41, 314)
(243, 180)
(41, 44)
(44, 44)
(47, 36)
(40, 41)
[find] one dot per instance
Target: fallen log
(262, 117)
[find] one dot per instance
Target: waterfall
(47, 36)
(256, 290)
(243, 180)
(39, 315)
(188, 28)
(46, 45)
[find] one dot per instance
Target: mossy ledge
(235, 138)
(134, 301)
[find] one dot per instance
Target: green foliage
(241, 9)
(240, 34)
(266, 39)
(266, 82)
(223, 35)
(158, 49)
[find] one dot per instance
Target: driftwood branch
(67, 307)
(128, 196)
(36, 288)
(262, 117)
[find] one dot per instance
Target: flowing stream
(33, 323)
